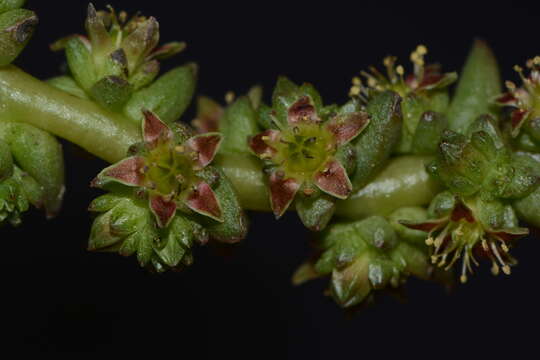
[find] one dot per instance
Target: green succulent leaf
(16, 28)
(238, 123)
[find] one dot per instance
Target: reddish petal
(209, 113)
(259, 143)
(426, 226)
(154, 129)
(345, 128)
(506, 99)
(282, 192)
(517, 119)
(162, 209)
(303, 111)
(128, 172)
(509, 235)
(462, 212)
(435, 80)
(203, 200)
(334, 180)
(206, 147)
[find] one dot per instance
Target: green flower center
(169, 169)
(304, 149)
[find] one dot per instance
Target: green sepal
(376, 143)
(315, 211)
(168, 96)
(286, 93)
(478, 85)
(6, 161)
(79, 59)
(235, 224)
(411, 214)
(428, 133)
(6, 5)
(238, 123)
(69, 85)
(441, 205)
(127, 226)
(16, 194)
(111, 92)
(412, 108)
(16, 28)
(40, 155)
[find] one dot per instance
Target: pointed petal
(345, 128)
(162, 209)
(203, 200)
(426, 226)
(518, 118)
(434, 80)
(209, 113)
(260, 143)
(506, 99)
(461, 211)
(303, 111)
(282, 192)
(154, 129)
(167, 50)
(333, 180)
(127, 172)
(206, 147)
(509, 235)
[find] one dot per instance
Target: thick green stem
(24, 98)
(404, 182)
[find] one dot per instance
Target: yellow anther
(400, 70)
(433, 259)
(229, 97)
(518, 68)
(355, 90)
(388, 61)
(429, 241)
(179, 148)
(506, 269)
(485, 245)
(495, 269)
(356, 81)
(505, 248)
(510, 85)
(536, 60)
(421, 49)
(372, 82)
(463, 278)
(265, 138)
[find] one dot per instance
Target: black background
(58, 297)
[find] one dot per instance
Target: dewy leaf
(315, 211)
(69, 85)
(168, 96)
(6, 5)
(428, 133)
(79, 59)
(375, 144)
(237, 124)
(478, 85)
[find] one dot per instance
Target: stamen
(229, 97)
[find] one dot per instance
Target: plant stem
(23, 98)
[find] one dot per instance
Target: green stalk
(404, 182)
(24, 98)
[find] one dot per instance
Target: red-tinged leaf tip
(333, 180)
(517, 119)
(162, 209)
(203, 200)
(154, 129)
(206, 146)
(506, 99)
(303, 111)
(259, 143)
(426, 226)
(347, 128)
(127, 172)
(282, 192)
